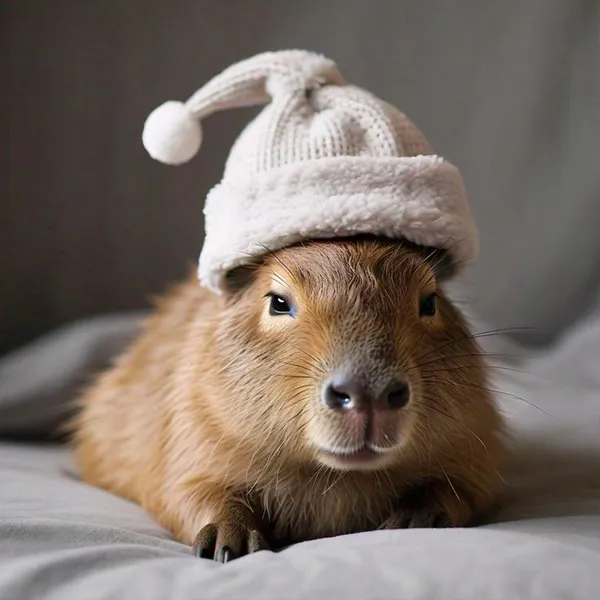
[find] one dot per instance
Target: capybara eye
(279, 305)
(427, 307)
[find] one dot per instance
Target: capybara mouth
(362, 457)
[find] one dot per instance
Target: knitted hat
(323, 159)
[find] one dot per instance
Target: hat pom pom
(172, 135)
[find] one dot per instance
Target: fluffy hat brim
(420, 198)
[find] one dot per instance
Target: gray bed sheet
(61, 539)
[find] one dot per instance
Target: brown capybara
(333, 389)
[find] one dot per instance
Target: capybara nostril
(395, 396)
(343, 393)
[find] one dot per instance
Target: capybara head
(345, 353)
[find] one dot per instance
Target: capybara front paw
(430, 505)
(233, 533)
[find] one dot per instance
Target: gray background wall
(509, 91)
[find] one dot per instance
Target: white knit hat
(323, 159)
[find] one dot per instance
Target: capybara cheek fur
(332, 389)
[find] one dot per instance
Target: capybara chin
(332, 389)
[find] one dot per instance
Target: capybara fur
(333, 388)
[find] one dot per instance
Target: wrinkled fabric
(62, 539)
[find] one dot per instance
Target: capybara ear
(240, 278)
(441, 263)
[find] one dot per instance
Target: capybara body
(333, 389)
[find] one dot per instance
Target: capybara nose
(345, 393)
